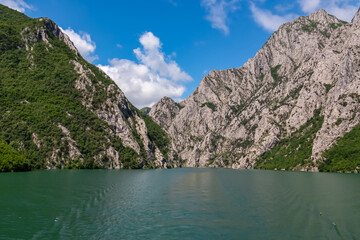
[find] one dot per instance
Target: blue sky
(165, 47)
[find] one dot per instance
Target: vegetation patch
(210, 105)
(242, 143)
(294, 150)
(292, 95)
(179, 105)
(335, 25)
(222, 159)
(355, 96)
(157, 135)
(215, 139)
(296, 67)
(229, 89)
(326, 34)
(344, 156)
(275, 75)
(238, 108)
(262, 76)
(11, 160)
(328, 87)
(309, 28)
(338, 121)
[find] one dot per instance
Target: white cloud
(149, 41)
(18, 5)
(268, 20)
(83, 43)
(217, 12)
(153, 77)
(343, 9)
(154, 58)
(309, 6)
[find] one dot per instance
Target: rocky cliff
(57, 110)
(282, 109)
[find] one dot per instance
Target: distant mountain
(294, 106)
(59, 111)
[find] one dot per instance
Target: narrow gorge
(294, 106)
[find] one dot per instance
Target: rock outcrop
(308, 66)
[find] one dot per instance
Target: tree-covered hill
(58, 111)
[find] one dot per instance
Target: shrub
(275, 75)
(344, 156)
(11, 160)
(210, 105)
(157, 135)
(294, 150)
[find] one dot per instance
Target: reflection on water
(179, 204)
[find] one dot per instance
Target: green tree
(11, 160)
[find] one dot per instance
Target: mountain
(59, 111)
(294, 106)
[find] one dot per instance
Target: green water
(179, 204)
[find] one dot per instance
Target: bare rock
(236, 115)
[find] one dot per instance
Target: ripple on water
(179, 204)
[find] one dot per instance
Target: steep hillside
(282, 109)
(58, 111)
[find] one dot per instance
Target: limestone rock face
(165, 111)
(56, 30)
(236, 115)
(122, 117)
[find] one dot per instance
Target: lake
(188, 203)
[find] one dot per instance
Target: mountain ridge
(237, 115)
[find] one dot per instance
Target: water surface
(179, 204)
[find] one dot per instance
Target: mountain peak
(322, 16)
(356, 19)
(57, 31)
(321, 12)
(165, 111)
(166, 99)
